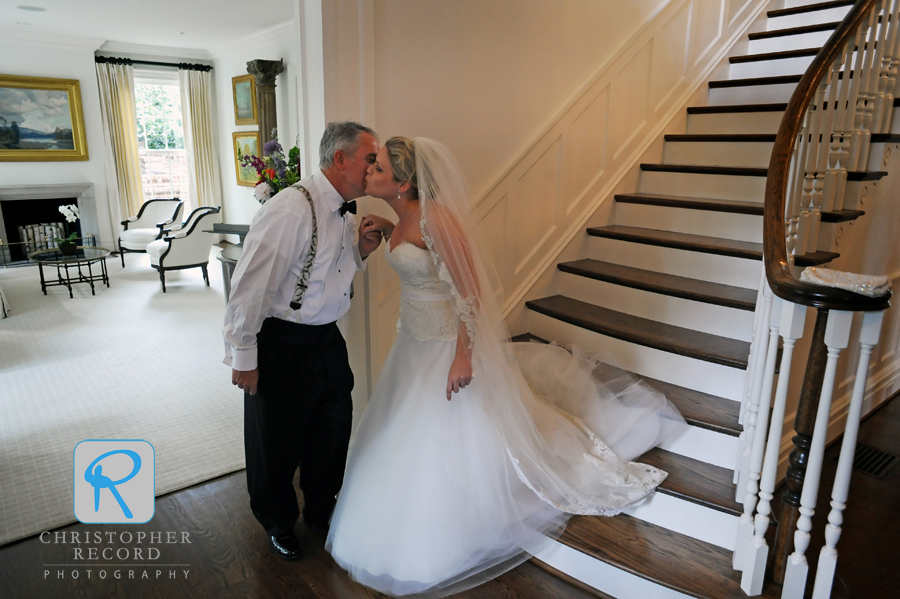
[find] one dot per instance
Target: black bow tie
(348, 207)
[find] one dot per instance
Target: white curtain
(199, 137)
(123, 166)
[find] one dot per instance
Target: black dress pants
(301, 416)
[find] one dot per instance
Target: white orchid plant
(70, 211)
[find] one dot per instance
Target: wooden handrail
(778, 270)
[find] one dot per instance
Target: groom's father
(291, 284)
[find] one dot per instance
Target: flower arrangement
(71, 213)
(275, 171)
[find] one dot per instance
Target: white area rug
(128, 363)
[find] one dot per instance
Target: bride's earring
(398, 194)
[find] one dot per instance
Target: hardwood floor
(227, 557)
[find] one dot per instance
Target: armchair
(149, 224)
(186, 246)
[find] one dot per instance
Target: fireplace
(23, 205)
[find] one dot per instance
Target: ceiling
(189, 24)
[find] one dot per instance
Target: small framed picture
(245, 143)
(41, 120)
(244, 88)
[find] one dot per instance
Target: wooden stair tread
(797, 10)
(676, 561)
(815, 258)
(763, 56)
(751, 81)
(699, 409)
(655, 199)
(703, 169)
(710, 137)
(642, 331)
(695, 481)
(761, 35)
(840, 216)
(744, 171)
(729, 108)
(682, 241)
(663, 283)
(881, 138)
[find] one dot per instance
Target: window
(164, 171)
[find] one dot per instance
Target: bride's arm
(457, 257)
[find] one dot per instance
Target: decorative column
(265, 72)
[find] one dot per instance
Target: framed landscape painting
(244, 89)
(245, 143)
(41, 119)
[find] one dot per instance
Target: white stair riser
(828, 15)
(793, 3)
(740, 227)
(707, 377)
(602, 576)
(789, 42)
(740, 272)
(734, 122)
(877, 154)
(705, 445)
(751, 94)
(688, 314)
(687, 518)
(718, 153)
(769, 68)
(702, 185)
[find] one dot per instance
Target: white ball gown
(440, 495)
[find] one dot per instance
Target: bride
(439, 495)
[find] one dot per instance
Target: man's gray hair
(343, 136)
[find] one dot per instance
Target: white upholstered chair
(185, 246)
(154, 217)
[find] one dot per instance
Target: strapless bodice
(426, 306)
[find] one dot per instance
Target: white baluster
(858, 93)
(754, 348)
(758, 420)
(893, 37)
(868, 339)
(869, 87)
(837, 335)
(793, 319)
(745, 441)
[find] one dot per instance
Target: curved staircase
(667, 290)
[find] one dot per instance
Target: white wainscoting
(543, 198)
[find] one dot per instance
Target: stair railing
(845, 95)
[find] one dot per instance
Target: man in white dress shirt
(290, 361)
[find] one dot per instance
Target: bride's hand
(460, 374)
(373, 222)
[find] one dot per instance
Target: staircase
(667, 290)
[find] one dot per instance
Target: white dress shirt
(266, 275)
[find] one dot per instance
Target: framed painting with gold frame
(244, 90)
(41, 119)
(248, 144)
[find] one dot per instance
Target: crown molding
(265, 36)
(35, 38)
(133, 50)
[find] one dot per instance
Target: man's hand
(372, 228)
(368, 242)
(247, 380)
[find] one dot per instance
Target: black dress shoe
(286, 546)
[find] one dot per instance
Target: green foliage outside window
(158, 116)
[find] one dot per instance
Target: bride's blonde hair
(402, 155)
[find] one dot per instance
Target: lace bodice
(426, 306)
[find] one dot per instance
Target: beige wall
(546, 104)
(238, 203)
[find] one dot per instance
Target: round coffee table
(83, 257)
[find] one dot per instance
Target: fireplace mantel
(83, 192)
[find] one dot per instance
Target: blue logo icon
(114, 481)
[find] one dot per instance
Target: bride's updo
(402, 155)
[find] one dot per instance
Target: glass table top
(82, 254)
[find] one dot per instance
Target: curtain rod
(128, 61)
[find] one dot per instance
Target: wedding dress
(440, 496)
